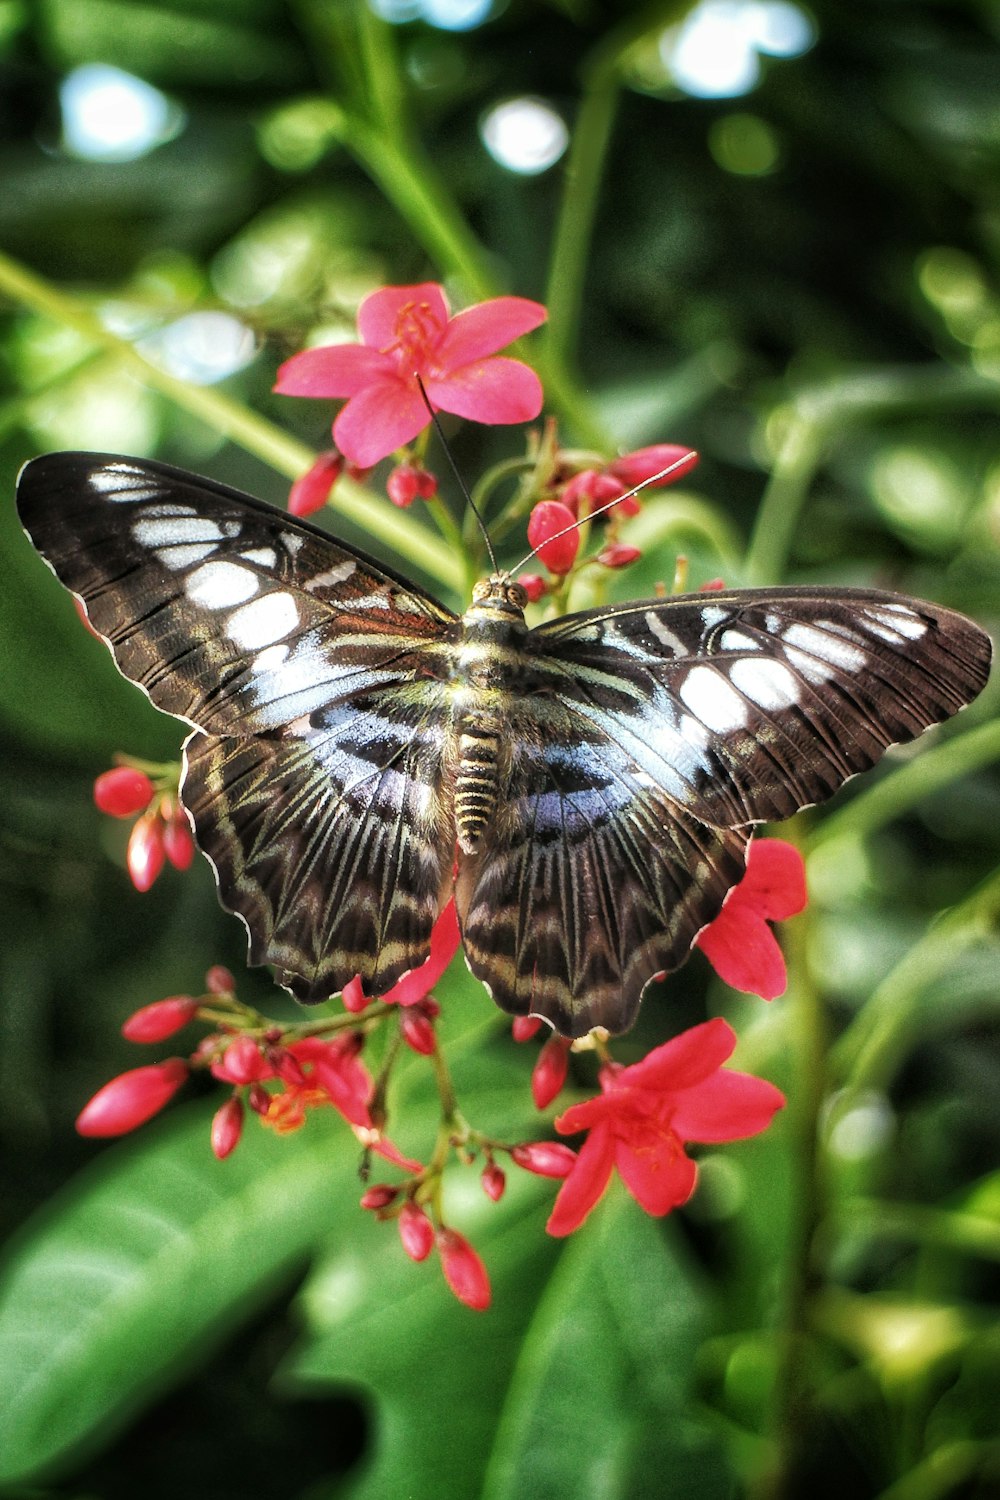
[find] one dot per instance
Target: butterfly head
(499, 595)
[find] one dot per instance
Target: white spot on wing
(712, 700)
(897, 620)
(832, 649)
(176, 558)
(767, 683)
(337, 574)
(665, 635)
(220, 584)
(735, 640)
(263, 621)
(293, 542)
(713, 615)
(264, 557)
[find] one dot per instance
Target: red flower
(123, 791)
(132, 1098)
(463, 1270)
(645, 1114)
(553, 535)
(419, 982)
(406, 331)
(311, 490)
(739, 945)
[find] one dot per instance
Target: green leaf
(142, 1266)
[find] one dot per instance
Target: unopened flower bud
(132, 1098)
(161, 1019)
(227, 1127)
(379, 1195)
(618, 555)
(524, 1028)
(463, 1270)
(550, 1070)
(123, 792)
(418, 1033)
(534, 586)
(311, 491)
(178, 842)
(416, 1232)
(408, 482)
(145, 854)
(494, 1181)
(353, 996)
(548, 535)
(242, 1062)
(545, 1158)
(219, 980)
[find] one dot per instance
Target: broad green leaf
(143, 1265)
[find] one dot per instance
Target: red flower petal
(493, 391)
(380, 313)
(311, 490)
(585, 1183)
(132, 1098)
(382, 1146)
(682, 1062)
(444, 945)
(775, 879)
(333, 371)
(481, 330)
(744, 952)
(346, 1082)
(657, 1174)
(381, 418)
(728, 1107)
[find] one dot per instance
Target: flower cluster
(638, 1125)
(161, 830)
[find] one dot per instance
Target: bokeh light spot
(112, 116)
(525, 135)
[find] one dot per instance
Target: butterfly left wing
(652, 738)
(310, 674)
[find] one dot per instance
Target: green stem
(237, 423)
(869, 1051)
(784, 496)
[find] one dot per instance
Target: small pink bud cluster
(161, 832)
(554, 526)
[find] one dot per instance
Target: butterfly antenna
(678, 463)
(494, 566)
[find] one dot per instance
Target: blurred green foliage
(802, 282)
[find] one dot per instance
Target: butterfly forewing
(635, 746)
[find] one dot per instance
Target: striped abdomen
(475, 783)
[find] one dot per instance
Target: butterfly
(597, 778)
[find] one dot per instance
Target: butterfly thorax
(487, 665)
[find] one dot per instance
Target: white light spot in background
(109, 115)
(524, 135)
(446, 15)
(202, 347)
(715, 53)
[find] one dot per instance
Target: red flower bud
(635, 468)
(132, 1098)
(524, 1028)
(494, 1181)
(713, 586)
(123, 792)
(145, 854)
(534, 586)
(311, 490)
(618, 555)
(407, 483)
(589, 490)
(227, 1127)
(242, 1062)
(161, 1019)
(545, 1158)
(353, 996)
(379, 1196)
(178, 842)
(258, 1099)
(416, 1232)
(463, 1270)
(286, 1065)
(418, 1033)
(550, 1070)
(219, 981)
(546, 521)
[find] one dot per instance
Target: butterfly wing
(310, 673)
(658, 734)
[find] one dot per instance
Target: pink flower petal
(659, 1176)
(489, 326)
(378, 420)
(382, 1146)
(420, 981)
(682, 1062)
(586, 1115)
(728, 1107)
(491, 391)
(333, 371)
(585, 1183)
(381, 311)
(744, 952)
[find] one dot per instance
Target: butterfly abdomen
(476, 783)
